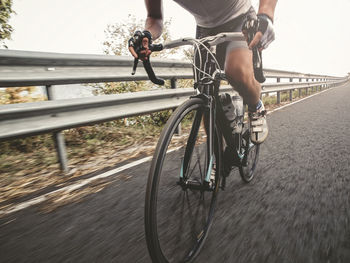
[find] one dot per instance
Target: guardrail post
(324, 85)
(291, 91)
(316, 86)
(278, 92)
(173, 83)
(58, 138)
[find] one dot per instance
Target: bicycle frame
(209, 92)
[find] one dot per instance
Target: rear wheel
(250, 159)
(180, 202)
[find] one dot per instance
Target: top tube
(210, 40)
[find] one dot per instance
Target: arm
(154, 24)
(267, 7)
(154, 20)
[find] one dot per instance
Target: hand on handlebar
(259, 34)
(259, 31)
(141, 47)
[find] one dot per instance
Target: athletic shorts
(234, 25)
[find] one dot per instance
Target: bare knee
(239, 76)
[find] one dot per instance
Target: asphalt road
(297, 209)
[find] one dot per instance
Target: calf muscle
(240, 74)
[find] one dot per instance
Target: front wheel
(250, 158)
(182, 185)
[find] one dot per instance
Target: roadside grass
(272, 100)
(22, 160)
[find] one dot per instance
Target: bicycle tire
(251, 157)
(184, 210)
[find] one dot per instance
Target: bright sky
(312, 36)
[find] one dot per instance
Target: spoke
(196, 163)
(192, 214)
(199, 165)
(206, 161)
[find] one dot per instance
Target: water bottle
(237, 102)
(233, 111)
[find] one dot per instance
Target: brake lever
(136, 61)
(257, 56)
(148, 67)
(258, 67)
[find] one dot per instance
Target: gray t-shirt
(212, 13)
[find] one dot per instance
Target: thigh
(224, 49)
(239, 65)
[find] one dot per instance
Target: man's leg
(240, 74)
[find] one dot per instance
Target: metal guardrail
(48, 116)
(22, 68)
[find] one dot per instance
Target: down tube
(191, 142)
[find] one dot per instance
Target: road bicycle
(190, 167)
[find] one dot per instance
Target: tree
(116, 43)
(118, 34)
(5, 14)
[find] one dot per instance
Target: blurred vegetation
(118, 34)
(36, 153)
(116, 43)
(20, 95)
(5, 14)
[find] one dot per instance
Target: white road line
(69, 188)
(308, 97)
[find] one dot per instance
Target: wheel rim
(247, 170)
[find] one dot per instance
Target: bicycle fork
(208, 117)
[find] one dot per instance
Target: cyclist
(217, 16)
